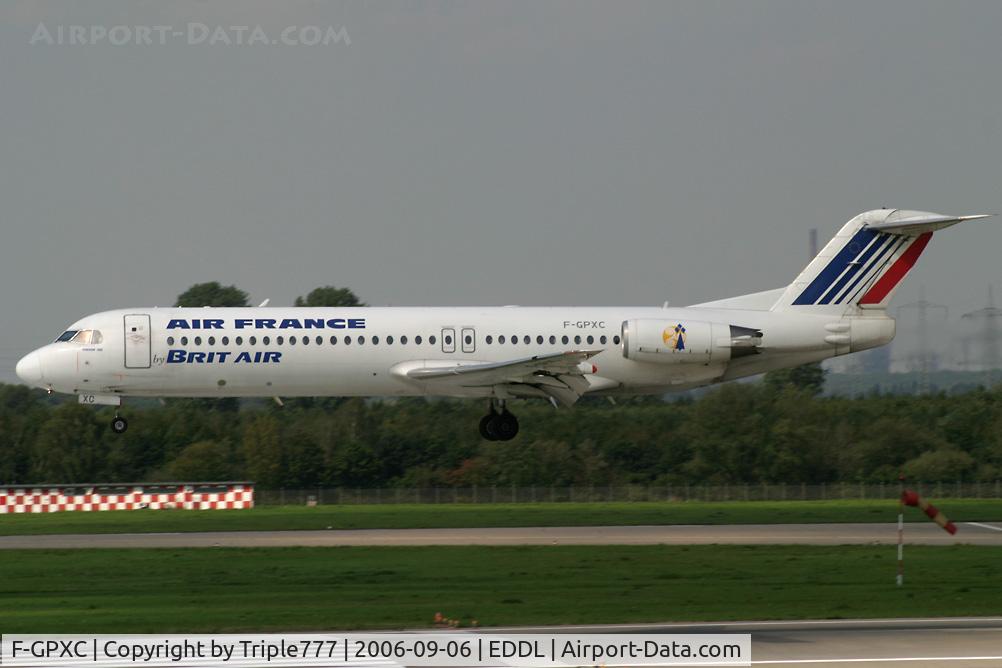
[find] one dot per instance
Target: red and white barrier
(132, 496)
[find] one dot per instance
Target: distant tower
(985, 326)
(924, 359)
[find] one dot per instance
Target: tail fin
(863, 265)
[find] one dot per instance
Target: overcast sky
(484, 153)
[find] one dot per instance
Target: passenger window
(564, 340)
(319, 340)
(553, 339)
(501, 339)
(306, 340)
(375, 340)
(431, 339)
(240, 340)
(468, 339)
(389, 340)
(615, 339)
(489, 339)
(403, 339)
(361, 340)
(539, 339)
(279, 340)
(591, 339)
(526, 339)
(292, 340)
(347, 340)
(514, 339)
(603, 340)
(226, 340)
(184, 340)
(198, 340)
(577, 339)
(448, 340)
(333, 340)
(266, 340)
(212, 340)
(417, 339)
(170, 340)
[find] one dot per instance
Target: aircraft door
(469, 340)
(137, 341)
(448, 340)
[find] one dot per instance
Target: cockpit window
(84, 336)
(88, 336)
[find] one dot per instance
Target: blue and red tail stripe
(858, 263)
(893, 276)
(880, 241)
(836, 267)
(867, 275)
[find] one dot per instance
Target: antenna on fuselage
(264, 303)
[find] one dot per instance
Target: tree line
(778, 430)
(747, 432)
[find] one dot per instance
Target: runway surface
(909, 643)
(972, 533)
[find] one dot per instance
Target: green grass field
(212, 590)
(404, 516)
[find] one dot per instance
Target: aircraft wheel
(119, 425)
(506, 426)
(485, 427)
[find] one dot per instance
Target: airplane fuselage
(288, 352)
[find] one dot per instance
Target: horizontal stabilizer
(916, 222)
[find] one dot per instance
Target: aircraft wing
(557, 375)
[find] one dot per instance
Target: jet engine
(687, 341)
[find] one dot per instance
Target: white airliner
(837, 305)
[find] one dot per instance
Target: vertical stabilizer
(863, 265)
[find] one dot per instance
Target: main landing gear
(498, 426)
(119, 424)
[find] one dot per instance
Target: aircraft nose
(29, 368)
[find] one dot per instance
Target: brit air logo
(674, 337)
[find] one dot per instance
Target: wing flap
(560, 376)
(512, 371)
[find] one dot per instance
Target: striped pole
(901, 529)
(901, 540)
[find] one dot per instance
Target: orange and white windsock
(911, 498)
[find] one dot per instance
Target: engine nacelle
(687, 341)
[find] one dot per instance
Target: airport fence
(624, 493)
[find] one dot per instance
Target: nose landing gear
(119, 424)
(498, 426)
